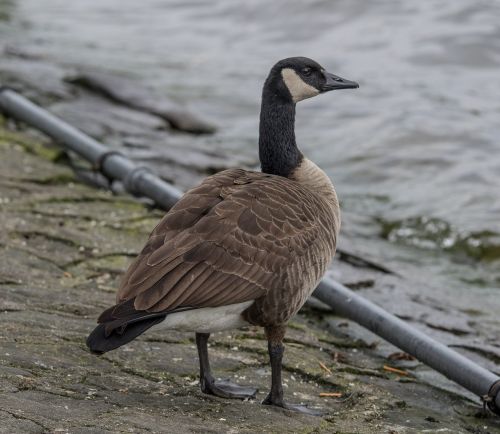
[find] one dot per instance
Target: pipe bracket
(490, 398)
(130, 181)
(98, 165)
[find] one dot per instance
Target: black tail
(119, 325)
(99, 342)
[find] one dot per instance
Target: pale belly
(206, 319)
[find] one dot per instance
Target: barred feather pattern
(239, 236)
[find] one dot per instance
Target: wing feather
(229, 240)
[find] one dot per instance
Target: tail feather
(102, 339)
(122, 323)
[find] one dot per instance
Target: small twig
(330, 395)
(395, 370)
(324, 367)
(400, 356)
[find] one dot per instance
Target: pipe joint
(491, 398)
(131, 181)
(98, 166)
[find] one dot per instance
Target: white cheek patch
(298, 88)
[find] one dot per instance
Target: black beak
(334, 82)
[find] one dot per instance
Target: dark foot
(293, 407)
(228, 389)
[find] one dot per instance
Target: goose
(242, 248)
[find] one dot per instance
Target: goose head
(298, 78)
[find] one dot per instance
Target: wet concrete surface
(63, 247)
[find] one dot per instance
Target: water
(414, 153)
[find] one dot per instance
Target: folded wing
(227, 241)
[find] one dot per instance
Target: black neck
(278, 151)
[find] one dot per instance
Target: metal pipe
(443, 359)
(136, 179)
(139, 180)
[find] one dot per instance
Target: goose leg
(276, 349)
(209, 385)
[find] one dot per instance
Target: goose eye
(307, 72)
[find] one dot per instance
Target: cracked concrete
(63, 247)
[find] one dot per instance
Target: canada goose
(242, 248)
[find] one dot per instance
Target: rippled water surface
(414, 153)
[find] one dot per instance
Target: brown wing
(227, 241)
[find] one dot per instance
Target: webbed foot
(292, 407)
(227, 389)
